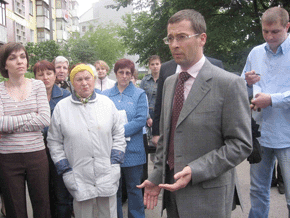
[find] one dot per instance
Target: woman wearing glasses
(132, 104)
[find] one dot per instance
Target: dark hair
(43, 65)
(275, 15)
(5, 51)
(153, 57)
(196, 19)
(124, 63)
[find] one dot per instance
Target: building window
(20, 33)
(19, 7)
(32, 36)
(2, 13)
(83, 29)
(42, 11)
(31, 7)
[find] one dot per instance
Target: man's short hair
(196, 19)
(275, 15)
(153, 57)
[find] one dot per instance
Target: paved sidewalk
(278, 208)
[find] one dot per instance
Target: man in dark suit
(168, 69)
(205, 129)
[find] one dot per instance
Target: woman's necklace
(18, 93)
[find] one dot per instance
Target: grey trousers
(100, 207)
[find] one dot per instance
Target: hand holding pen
(252, 77)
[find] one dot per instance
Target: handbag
(256, 155)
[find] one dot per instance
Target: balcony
(61, 35)
(42, 22)
(62, 14)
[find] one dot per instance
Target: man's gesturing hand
(151, 193)
(182, 179)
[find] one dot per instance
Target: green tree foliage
(47, 50)
(233, 28)
(102, 44)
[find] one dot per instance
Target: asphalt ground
(278, 208)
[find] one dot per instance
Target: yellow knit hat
(80, 68)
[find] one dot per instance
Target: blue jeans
(132, 177)
(261, 176)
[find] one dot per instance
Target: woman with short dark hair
(60, 199)
(132, 104)
(24, 112)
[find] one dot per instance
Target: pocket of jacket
(70, 181)
(115, 173)
(220, 181)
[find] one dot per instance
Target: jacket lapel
(168, 100)
(200, 88)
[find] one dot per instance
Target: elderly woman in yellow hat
(86, 142)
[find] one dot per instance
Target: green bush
(140, 76)
(27, 75)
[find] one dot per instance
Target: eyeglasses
(127, 73)
(179, 38)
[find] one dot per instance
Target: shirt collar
(103, 80)
(129, 90)
(194, 70)
(149, 76)
(283, 48)
(75, 98)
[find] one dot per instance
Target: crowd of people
(76, 137)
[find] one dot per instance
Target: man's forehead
(181, 26)
(272, 25)
(154, 61)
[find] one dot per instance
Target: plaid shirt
(150, 87)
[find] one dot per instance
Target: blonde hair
(102, 64)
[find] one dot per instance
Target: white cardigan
(104, 84)
(85, 137)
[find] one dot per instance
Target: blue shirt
(150, 87)
(274, 70)
(133, 100)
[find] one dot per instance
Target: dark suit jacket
(168, 69)
(212, 136)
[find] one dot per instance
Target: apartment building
(67, 20)
(3, 26)
(100, 14)
(37, 20)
